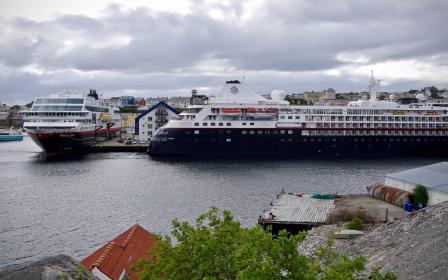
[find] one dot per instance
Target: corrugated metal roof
(293, 209)
(434, 176)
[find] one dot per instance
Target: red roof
(121, 253)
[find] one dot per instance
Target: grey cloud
(293, 37)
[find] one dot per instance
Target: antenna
(244, 78)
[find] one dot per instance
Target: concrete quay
(114, 146)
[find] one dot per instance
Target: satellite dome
(392, 97)
(278, 94)
(421, 97)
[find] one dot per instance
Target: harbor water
(73, 206)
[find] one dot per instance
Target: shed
(434, 177)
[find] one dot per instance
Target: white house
(150, 120)
(434, 177)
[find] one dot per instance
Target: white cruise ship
(239, 122)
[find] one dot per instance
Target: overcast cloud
(152, 49)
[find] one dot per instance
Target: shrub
(420, 195)
(345, 214)
(355, 224)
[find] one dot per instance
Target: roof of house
(120, 253)
(151, 109)
(434, 176)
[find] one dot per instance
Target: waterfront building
(152, 119)
(434, 177)
(179, 102)
(127, 101)
(139, 101)
(113, 260)
(311, 96)
(128, 120)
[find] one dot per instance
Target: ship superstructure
(70, 122)
(239, 122)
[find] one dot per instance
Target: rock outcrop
(413, 247)
(51, 268)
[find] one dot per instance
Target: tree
(420, 195)
(217, 247)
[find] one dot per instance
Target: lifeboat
(231, 111)
(261, 110)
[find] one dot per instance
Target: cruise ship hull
(232, 143)
(56, 143)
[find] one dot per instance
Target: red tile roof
(121, 253)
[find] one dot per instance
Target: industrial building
(434, 177)
(150, 120)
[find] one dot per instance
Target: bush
(218, 247)
(355, 224)
(420, 194)
(345, 214)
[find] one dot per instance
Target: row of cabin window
(332, 140)
(252, 132)
(289, 117)
(221, 124)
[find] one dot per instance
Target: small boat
(10, 135)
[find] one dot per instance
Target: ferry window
(244, 123)
(259, 131)
(196, 132)
(289, 131)
(251, 132)
(228, 131)
(212, 124)
(297, 117)
(282, 132)
(282, 117)
(289, 117)
(244, 132)
(220, 124)
(204, 124)
(228, 124)
(196, 124)
(228, 140)
(274, 132)
(267, 132)
(251, 123)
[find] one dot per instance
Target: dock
(296, 212)
(114, 146)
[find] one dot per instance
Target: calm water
(74, 206)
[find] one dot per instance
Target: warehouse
(434, 177)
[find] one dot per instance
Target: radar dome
(392, 97)
(278, 94)
(421, 97)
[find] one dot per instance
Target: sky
(155, 48)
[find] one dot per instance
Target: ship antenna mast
(372, 86)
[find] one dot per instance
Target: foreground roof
(121, 253)
(434, 176)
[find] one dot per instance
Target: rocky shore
(413, 247)
(60, 267)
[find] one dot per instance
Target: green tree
(218, 247)
(420, 195)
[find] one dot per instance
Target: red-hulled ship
(70, 122)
